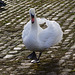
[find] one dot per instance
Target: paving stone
(55, 18)
(74, 55)
(8, 23)
(17, 48)
(68, 53)
(22, 67)
(61, 61)
(12, 74)
(13, 52)
(21, 45)
(23, 23)
(67, 70)
(52, 55)
(10, 68)
(49, 52)
(69, 62)
(26, 63)
(1, 44)
(51, 73)
(66, 57)
(12, 21)
(73, 58)
(73, 47)
(64, 73)
(8, 56)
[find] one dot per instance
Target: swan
(38, 39)
(2, 4)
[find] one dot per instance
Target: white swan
(37, 39)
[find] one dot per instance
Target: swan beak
(32, 18)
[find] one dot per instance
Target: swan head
(32, 14)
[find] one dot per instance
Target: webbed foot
(32, 56)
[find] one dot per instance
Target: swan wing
(51, 35)
(26, 30)
(41, 20)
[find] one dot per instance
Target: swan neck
(34, 25)
(34, 28)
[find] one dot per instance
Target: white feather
(36, 38)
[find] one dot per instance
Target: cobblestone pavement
(59, 60)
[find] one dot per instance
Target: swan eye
(32, 18)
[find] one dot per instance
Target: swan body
(36, 38)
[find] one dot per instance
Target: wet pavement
(59, 60)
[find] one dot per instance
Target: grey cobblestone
(59, 60)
